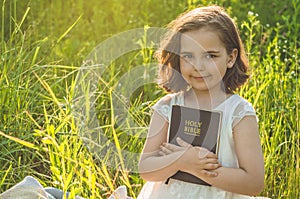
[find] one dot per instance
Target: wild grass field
(45, 44)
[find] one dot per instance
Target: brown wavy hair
(215, 19)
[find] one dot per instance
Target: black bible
(197, 127)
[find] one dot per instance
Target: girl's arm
(154, 166)
(248, 179)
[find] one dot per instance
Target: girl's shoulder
(242, 109)
(165, 100)
(170, 99)
(243, 104)
(164, 105)
(236, 101)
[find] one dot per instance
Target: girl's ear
(232, 58)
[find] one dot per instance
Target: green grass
(43, 46)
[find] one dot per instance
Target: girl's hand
(206, 161)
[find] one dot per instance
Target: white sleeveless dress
(234, 109)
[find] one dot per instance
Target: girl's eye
(210, 56)
(187, 56)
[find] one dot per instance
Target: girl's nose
(198, 65)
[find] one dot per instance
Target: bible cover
(197, 127)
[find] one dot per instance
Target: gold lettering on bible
(192, 127)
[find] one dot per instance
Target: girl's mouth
(199, 77)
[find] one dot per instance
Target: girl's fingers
(165, 150)
(171, 147)
(209, 173)
(208, 163)
(211, 155)
(211, 166)
(182, 143)
(203, 153)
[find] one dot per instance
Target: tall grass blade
(69, 29)
(22, 142)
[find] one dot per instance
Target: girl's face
(204, 60)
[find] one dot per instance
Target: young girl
(202, 63)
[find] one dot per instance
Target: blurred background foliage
(47, 20)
